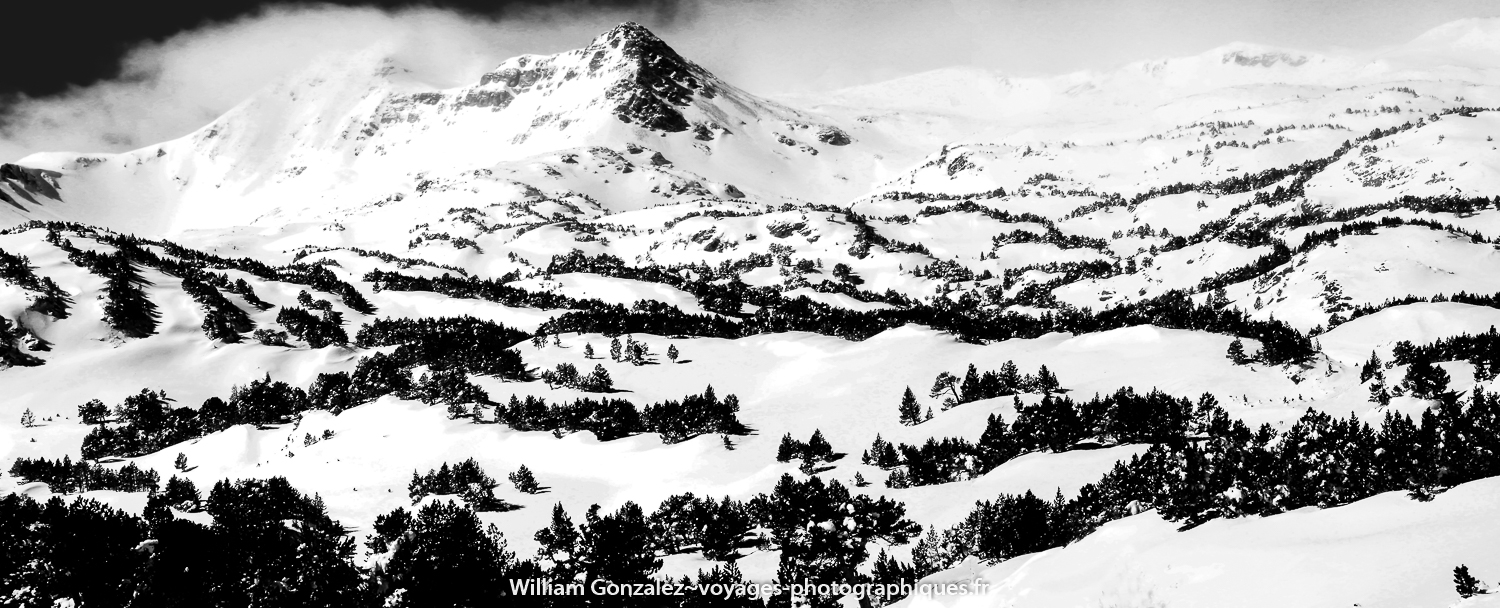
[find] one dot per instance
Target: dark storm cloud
(54, 45)
(163, 87)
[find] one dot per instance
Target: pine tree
(910, 410)
(126, 307)
(93, 412)
(672, 352)
(818, 448)
(457, 410)
(588, 351)
(968, 389)
(181, 463)
(446, 558)
(997, 444)
(179, 491)
(597, 381)
(559, 545)
(789, 450)
(28, 419)
(929, 414)
(945, 387)
(1465, 583)
(614, 348)
(1010, 376)
(637, 353)
(1371, 368)
(1237, 352)
(1425, 380)
(1046, 381)
(617, 547)
(1378, 392)
(524, 481)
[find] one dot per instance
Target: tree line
(1222, 468)
(1056, 424)
(675, 420)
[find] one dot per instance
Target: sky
(91, 76)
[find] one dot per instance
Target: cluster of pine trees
(268, 545)
(717, 288)
(11, 353)
(645, 317)
(1281, 343)
(716, 528)
(127, 310)
(465, 479)
(467, 344)
(178, 493)
(67, 477)
(468, 287)
(695, 415)
(314, 276)
(147, 422)
(608, 419)
(143, 423)
(222, 320)
(611, 419)
(1220, 467)
(989, 385)
(318, 330)
(185, 263)
(1482, 350)
(50, 300)
(813, 452)
(822, 531)
(566, 375)
(1054, 423)
(444, 556)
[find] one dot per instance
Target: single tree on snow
(28, 419)
(910, 410)
(1237, 352)
(525, 481)
(1465, 583)
(598, 381)
(945, 383)
(672, 352)
(818, 448)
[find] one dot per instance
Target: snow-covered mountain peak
(641, 79)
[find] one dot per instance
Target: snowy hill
(1203, 331)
